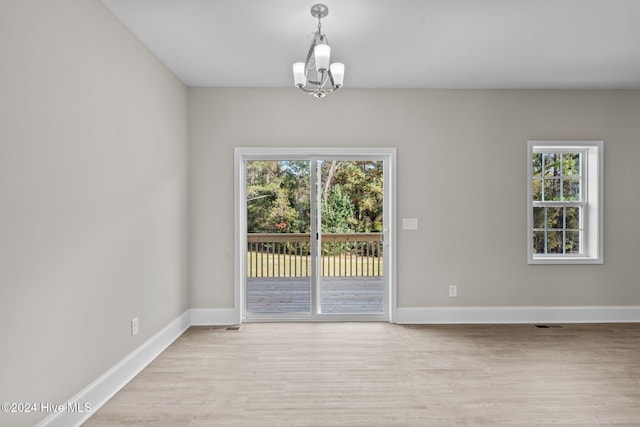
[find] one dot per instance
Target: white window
(564, 208)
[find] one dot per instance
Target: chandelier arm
(310, 57)
(323, 81)
(317, 92)
(313, 82)
(333, 83)
(329, 78)
(304, 89)
(320, 86)
(310, 54)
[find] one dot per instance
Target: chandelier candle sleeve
(298, 74)
(337, 71)
(322, 52)
(317, 76)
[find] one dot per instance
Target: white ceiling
(571, 44)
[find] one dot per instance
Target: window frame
(590, 203)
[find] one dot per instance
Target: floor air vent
(548, 326)
(224, 328)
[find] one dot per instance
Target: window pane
(537, 164)
(573, 218)
(537, 190)
(571, 164)
(554, 242)
(538, 242)
(552, 190)
(572, 242)
(571, 190)
(538, 217)
(551, 164)
(554, 217)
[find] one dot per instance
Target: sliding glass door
(314, 238)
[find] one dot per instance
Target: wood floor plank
(379, 374)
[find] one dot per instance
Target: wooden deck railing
(289, 255)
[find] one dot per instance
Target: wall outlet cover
(135, 326)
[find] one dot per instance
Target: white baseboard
(107, 385)
(461, 315)
(214, 316)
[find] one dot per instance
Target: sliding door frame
(244, 154)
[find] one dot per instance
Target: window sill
(565, 260)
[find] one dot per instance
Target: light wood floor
(379, 374)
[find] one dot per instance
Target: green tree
(296, 181)
(269, 207)
(278, 196)
(337, 212)
(363, 182)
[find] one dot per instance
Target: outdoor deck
(353, 295)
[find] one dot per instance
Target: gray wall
(462, 173)
(93, 140)
(93, 191)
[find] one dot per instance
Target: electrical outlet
(453, 291)
(135, 326)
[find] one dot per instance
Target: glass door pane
(350, 238)
(279, 253)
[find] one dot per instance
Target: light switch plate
(409, 223)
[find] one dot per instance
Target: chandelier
(315, 76)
